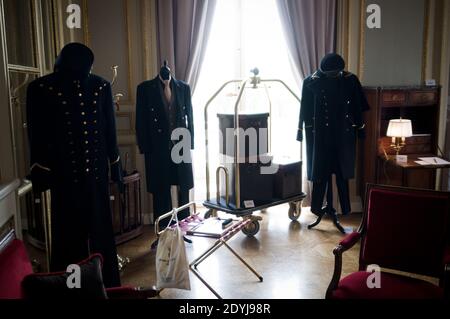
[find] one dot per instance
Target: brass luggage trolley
(223, 204)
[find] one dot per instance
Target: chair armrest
(346, 244)
(350, 241)
(132, 293)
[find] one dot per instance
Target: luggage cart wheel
(252, 228)
(295, 211)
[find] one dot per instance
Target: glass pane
(19, 85)
(20, 35)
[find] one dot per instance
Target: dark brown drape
(310, 28)
(182, 34)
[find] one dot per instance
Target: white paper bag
(172, 268)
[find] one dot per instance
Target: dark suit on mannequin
(156, 119)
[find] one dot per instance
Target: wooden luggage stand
(220, 240)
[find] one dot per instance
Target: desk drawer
(423, 98)
(394, 98)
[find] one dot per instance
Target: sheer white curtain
(245, 34)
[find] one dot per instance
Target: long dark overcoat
(73, 145)
(154, 134)
(331, 119)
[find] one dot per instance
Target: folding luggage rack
(222, 204)
(221, 240)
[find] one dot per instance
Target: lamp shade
(400, 128)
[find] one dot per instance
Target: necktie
(167, 91)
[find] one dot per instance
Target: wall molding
(85, 22)
(426, 37)
(128, 43)
(126, 8)
(129, 130)
(362, 41)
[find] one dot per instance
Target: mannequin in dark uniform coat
(331, 117)
(156, 119)
(72, 134)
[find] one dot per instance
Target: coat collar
(317, 79)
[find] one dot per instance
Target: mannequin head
(75, 60)
(165, 72)
(332, 65)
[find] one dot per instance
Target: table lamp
(399, 130)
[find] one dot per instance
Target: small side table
(409, 174)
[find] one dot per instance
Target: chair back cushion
(14, 266)
(406, 230)
(54, 286)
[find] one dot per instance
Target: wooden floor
(296, 263)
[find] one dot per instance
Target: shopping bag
(172, 268)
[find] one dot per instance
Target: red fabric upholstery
(351, 240)
(406, 230)
(447, 256)
(14, 266)
(393, 286)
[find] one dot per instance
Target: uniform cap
(332, 62)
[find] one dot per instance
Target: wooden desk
(409, 174)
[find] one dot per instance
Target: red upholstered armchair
(404, 230)
(15, 266)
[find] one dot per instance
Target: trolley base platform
(253, 227)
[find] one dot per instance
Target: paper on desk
(422, 163)
(433, 161)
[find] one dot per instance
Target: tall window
(245, 34)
